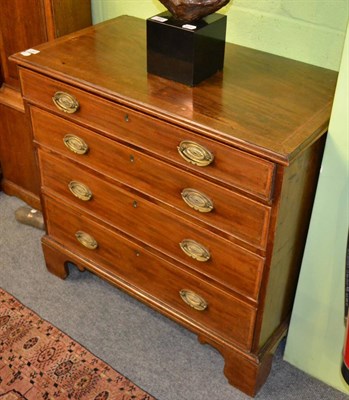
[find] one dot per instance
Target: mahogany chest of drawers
(194, 200)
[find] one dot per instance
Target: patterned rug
(39, 362)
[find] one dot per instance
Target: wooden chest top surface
(268, 105)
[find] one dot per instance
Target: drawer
(197, 248)
(204, 156)
(156, 279)
(218, 207)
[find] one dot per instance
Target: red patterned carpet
(39, 362)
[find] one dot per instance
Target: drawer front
(198, 248)
(216, 206)
(158, 279)
(206, 157)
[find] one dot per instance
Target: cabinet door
(22, 25)
(26, 23)
(66, 16)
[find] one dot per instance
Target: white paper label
(188, 26)
(29, 52)
(159, 19)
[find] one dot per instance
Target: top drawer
(211, 159)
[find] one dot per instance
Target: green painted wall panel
(312, 31)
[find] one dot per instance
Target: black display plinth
(186, 53)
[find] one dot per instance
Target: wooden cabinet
(194, 200)
(25, 24)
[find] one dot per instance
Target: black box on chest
(185, 52)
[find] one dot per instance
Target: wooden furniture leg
(247, 374)
(57, 261)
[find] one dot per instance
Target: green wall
(311, 31)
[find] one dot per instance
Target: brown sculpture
(192, 10)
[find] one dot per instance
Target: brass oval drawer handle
(193, 300)
(86, 240)
(75, 144)
(80, 190)
(195, 154)
(65, 102)
(197, 200)
(195, 250)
